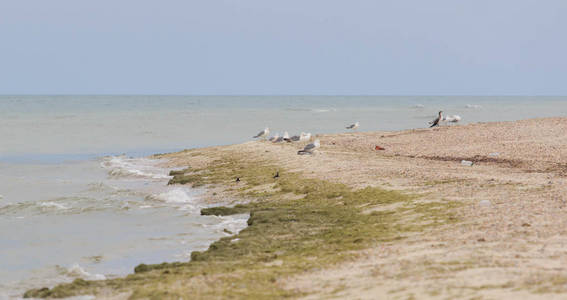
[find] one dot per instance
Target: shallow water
(95, 219)
(72, 206)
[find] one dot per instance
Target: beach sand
(508, 240)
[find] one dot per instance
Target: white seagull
(309, 148)
(286, 137)
(452, 119)
(305, 136)
(263, 134)
(353, 126)
(275, 137)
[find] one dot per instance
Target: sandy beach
(407, 222)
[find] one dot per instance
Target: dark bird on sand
(277, 175)
(437, 120)
(237, 179)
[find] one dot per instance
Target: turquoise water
(77, 198)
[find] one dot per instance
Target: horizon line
(295, 95)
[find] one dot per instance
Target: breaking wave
(123, 166)
(76, 271)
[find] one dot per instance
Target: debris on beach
(379, 148)
(467, 163)
(494, 154)
(485, 203)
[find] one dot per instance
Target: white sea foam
(233, 223)
(176, 195)
(180, 196)
(123, 166)
(53, 204)
(473, 106)
(76, 271)
(323, 110)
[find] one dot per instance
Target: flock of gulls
(310, 148)
(303, 137)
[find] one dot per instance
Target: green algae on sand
(285, 236)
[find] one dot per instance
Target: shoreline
(414, 219)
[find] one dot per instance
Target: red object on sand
(379, 148)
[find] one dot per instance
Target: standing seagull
(437, 120)
(452, 119)
(353, 126)
(263, 134)
(309, 148)
(304, 136)
(286, 137)
(275, 138)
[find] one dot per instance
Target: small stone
(526, 225)
(481, 240)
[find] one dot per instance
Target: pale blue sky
(482, 47)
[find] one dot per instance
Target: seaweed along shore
(298, 224)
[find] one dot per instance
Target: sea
(79, 197)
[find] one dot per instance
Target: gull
(452, 119)
(275, 138)
(305, 136)
(353, 126)
(309, 148)
(437, 120)
(263, 134)
(302, 137)
(286, 137)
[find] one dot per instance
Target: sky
(291, 47)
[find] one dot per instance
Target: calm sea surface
(78, 200)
